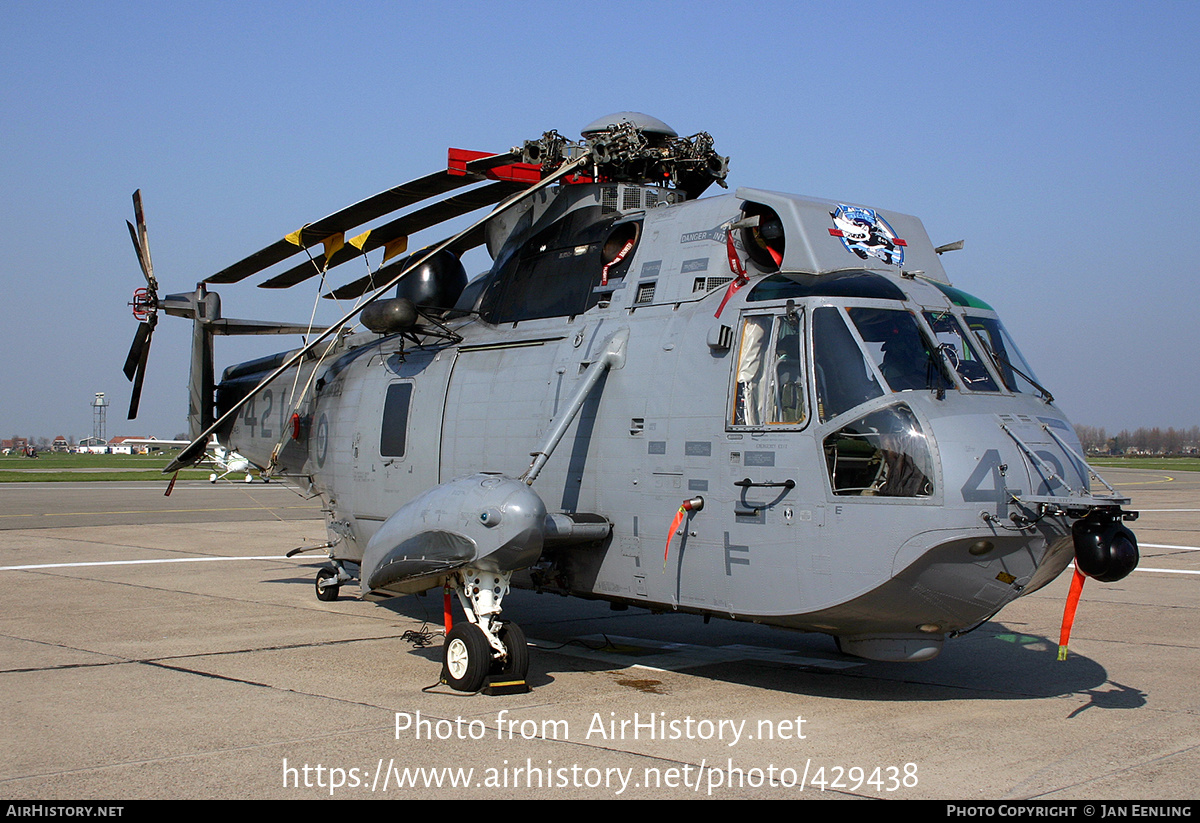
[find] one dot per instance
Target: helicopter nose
(1104, 548)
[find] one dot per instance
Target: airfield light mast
(99, 417)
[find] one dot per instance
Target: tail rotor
(144, 305)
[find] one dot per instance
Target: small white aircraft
(226, 461)
(230, 462)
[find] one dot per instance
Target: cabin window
(883, 454)
(394, 435)
(769, 380)
(843, 378)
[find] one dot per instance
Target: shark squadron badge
(867, 234)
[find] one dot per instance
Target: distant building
(118, 445)
(92, 445)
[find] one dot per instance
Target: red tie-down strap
(735, 266)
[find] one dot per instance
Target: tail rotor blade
(141, 240)
(140, 373)
(141, 340)
(137, 248)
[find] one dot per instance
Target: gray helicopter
(784, 398)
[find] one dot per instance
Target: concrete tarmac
(155, 647)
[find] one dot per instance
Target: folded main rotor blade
(193, 452)
(431, 215)
(380, 204)
(357, 288)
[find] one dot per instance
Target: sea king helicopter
(754, 406)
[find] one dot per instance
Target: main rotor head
(631, 147)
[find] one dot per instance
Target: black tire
(516, 665)
(327, 593)
(466, 658)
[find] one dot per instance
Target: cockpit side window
(769, 384)
(751, 372)
(843, 378)
(788, 406)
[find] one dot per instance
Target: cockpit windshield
(956, 346)
(905, 358)
(863, 352)
(1016, 373)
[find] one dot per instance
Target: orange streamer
(674, 525)
(1069, 612)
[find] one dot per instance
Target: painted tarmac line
(161, 511)
(141, 562)
(1169, 571)
(282, 557)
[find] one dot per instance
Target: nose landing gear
(484, 653)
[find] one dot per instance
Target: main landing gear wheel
(327, 592)
(516, 665)
(466, 658)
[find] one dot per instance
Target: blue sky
(1059, 140)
